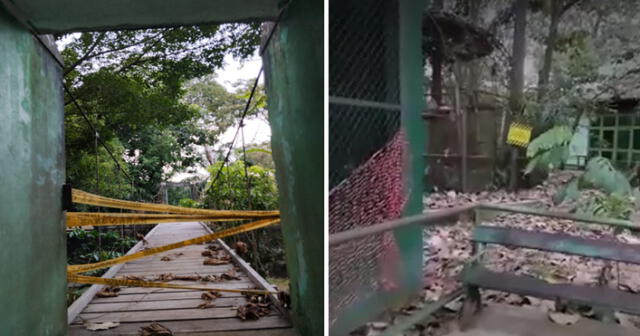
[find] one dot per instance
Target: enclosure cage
(616, 136)
(375, 164)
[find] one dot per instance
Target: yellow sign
(519, 135)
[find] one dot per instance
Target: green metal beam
(57, 16)
(562, 215)
(294, 63)
(409, 239)
(558, 242)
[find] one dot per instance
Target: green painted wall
(295, 87)
(32, 240)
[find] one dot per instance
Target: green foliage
(230, 192)
(82, 169)
(82, 245)
(600, 174)
(220, 109)
(258, 154)
(131, 85)
(549, 150)
(611, 206)
(189, 203)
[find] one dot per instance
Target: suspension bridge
(181, 277)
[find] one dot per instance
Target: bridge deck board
(177, 309)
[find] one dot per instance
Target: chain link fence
(367, 154)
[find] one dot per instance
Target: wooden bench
(475, 276)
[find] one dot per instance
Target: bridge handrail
(435, 216)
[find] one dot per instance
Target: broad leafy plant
(549, 150)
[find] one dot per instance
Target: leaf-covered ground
(447, 248)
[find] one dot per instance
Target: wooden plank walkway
(176, 309)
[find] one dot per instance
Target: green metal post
(32, 233)
(295, 87)
(412, 99)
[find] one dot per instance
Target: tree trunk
(545, 72)
(437, 59)
(517, 79)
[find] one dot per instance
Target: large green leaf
(558, 136)
(601, 174)
(548, 160)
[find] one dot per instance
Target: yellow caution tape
(224, 233)
(82, 197)
(519, 135)
(152, 284)
(75, 219)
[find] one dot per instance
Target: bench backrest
(558, 242)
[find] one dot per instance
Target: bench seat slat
(558, 242)
(526, 285)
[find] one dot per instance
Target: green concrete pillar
(32, 234)
(294, 72)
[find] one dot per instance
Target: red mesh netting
(372, 194)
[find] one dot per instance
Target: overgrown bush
(189, 203)
(232, 190)
(611, 206)
(82, 245)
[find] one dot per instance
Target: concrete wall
(295, 87)
(32, 239)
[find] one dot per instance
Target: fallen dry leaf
(378, 325)
(187, 277)
(207, 253)
(285, 299)
(241, 248)
(210, 295)
(210, 278)
(253, 311)
(110, 291)
(141, 238)
(94, 326)
(103, 294)
(454, 305)
(229, 275)
(206, 305)
(624, 319)
(155, 329)
(215, 261)
(165, 277)
(564, 319)
(628, 238)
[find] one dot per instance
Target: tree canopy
(153, 99)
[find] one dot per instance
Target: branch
(568, 6)
(143, 53)
(503, 17)
(70, 68)
(88, 55)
